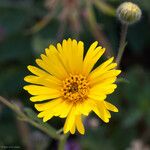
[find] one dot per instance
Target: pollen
(75, 88)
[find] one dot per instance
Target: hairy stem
(62, 141)
(60, 131)
(22, 116)
(122, 43)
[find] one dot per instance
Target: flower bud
(128, 13)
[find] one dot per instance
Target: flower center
(75, 88)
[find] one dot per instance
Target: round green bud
(128, 13)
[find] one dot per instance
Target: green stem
(60, 131)
(8, 104)
(45, 128)
(62, 141)
(38, 123)
(42, 128)
(122, 43)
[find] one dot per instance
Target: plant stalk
(22, 116)
(122, 44)
(62, 141)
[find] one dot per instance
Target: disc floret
(75, 88)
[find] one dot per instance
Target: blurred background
(27, 27)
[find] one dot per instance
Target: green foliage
(19, 46)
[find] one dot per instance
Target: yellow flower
(66, 85)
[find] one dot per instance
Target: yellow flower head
(66, 85)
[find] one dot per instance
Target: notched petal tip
(33, 99)
(51, 46)
(38, 60)
(43, 56)
(111, 107)
(65, 131)
(95, 43)
(36, 106)
(72, 131)
(81, 43)
(25, 79)
(40, 115)
(25, 87)
(74, 41)
(116, 110)
(64, 40)
(119, 71)
(45, 119)
(111, 59)
(69, 40)
(29, 67)
(114, 86)
(106, 120)
(82, 132)
(104, 49)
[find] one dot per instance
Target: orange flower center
(75, 88)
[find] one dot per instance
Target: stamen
(75, 88)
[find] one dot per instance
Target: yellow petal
(47, 117)
(102, 77)
(56, 107)
(100, 110)
(48, 105)
(42, 90)
(83, 107)
(65, 107)
(111, 66)
(107, 113)
(101, 90)
(73, 129)
(70, 120)
(97, 96)
(102, 68)
(42, 114)
(51, 51)
(79, 124)
(62, 109)
(40, 98)
(80, 55)
(111, 107)
(48, 108)
(53, 65)
(72, 55)
(92, 56)
(49, 81)
(37, 71)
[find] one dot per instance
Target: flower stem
(122, 44)
(60, 131)
(62, 141)
(22, 116)
(36, 122)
